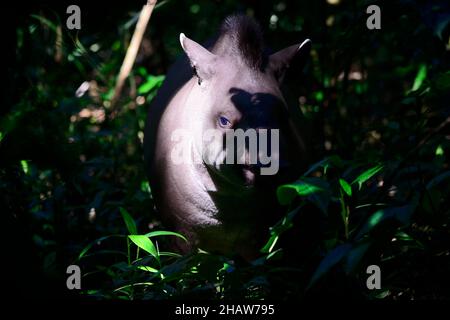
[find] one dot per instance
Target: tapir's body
(235, 84)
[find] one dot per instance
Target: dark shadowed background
(376, 116)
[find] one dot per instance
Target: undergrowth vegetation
(376, 108)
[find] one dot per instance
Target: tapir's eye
(224, 122)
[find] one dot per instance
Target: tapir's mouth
(249, 173)
(239, 177)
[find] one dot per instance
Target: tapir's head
(238, 87)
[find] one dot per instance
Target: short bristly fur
(241, 37)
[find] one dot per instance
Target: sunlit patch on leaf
(129, 221)
(401, 215)
(148, 269)
(145, 243)
(439, 151)
(420, 77)
(314, 190)
(346, 187)
(24, 165)
(152, 82)
(366, 175)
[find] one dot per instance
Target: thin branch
(133, 48)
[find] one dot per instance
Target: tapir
(233, 82)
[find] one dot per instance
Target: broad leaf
(148, 269)
(129, 221)
(366, 175)
(346, 187)
(399, 214)
(165, 233)
(354, 256)
(97, 241)
(330, 260)
(145, 244)
(334, 161)
(314, 190)
(438, 179)
(151, 83)
(420, 77)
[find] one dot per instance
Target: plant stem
(128, 251)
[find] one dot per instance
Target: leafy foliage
(376, 192)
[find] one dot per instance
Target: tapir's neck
(189, 180)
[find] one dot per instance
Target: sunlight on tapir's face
(256, 150)
(243, 126)
(253, 147)
(239, 131)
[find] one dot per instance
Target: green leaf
(382, 294)
(442, 81)
(105, 252)
(97, 241)
(25, 166)
(142, 71)
(145, 244)
(281, 226)
(438, 179)
(148, 269)
(318, 95)
(145, 187)
(346, 187)
(286, 193)
(366, 175)
(176, 269)
(169, 254)
(355, 255)
(129, 221)
(403, 236)
(151, 83)
(420, 77)
(275, 255)
(334, 160)
(195, 8)
(330, 260)
(375, 218)
(314, 190)
(400, 214)
(165, 233)
(268, 247)
(227, 267)
(406, 238)
(122, 266)
(45, 21)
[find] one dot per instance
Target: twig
(58, 45)
(133, 48)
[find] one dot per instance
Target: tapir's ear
(201, 59)
(280, 61)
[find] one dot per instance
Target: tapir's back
(178, 75)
